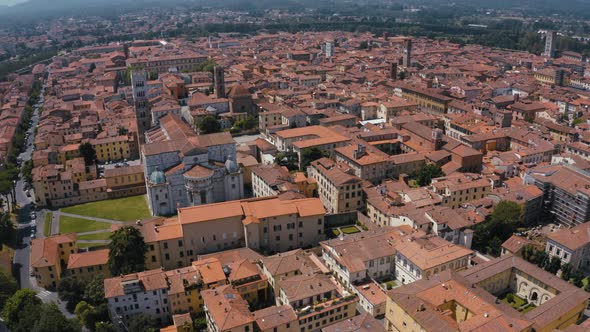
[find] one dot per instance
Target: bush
(510, 298)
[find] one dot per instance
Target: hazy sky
(10, 2)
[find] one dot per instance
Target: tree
(578, 278)
(7, 229)
(142, 323)
(18, 306)
(208, 125)
(94, 291)
(288, 159)
(489, 235)
(71, 291)
(310, 154)
(127, 251)
(427, 172)
(88, 153)
(566, 271)
(82, 311)
(8, 287)
(90, 316)
(51, 319)
(92, 67)
(554, 265)
(27, 171)
(104, 327)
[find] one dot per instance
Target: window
(180, 243)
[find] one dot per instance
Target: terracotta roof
(227, 308)
(89, 258)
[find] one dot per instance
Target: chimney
(359, 152)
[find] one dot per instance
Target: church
(185, 169)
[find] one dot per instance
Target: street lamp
(14, 194)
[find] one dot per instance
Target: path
(95, 232)
(55, 223)
(91, 218)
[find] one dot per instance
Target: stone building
(183, 169)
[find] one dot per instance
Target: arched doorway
(534, 297)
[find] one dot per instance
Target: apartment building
(368, 163)
(267, 224)
(298, 139)
(460, 188)
(271, 180)
(566, 192)
(365, 255)
(317, 299)
(48, 255)
(87, 265)
(418, 258)
(571, 245)
(288, 264)
(143, 292)
(114, 148)
(361, 323)
(338, 189)
(226, 311)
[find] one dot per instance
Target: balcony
(326, 306)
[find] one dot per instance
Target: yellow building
(125, 181)
(113, 148)
(48, 255)
(460, 188)
(557, 303)
(181, 323)
(85, 266)
(187, 283)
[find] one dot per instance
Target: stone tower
(550, 42)
(407, 53)
(219, 79)
(140, 102)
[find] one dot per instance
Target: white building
(183, 169)
(137, 293)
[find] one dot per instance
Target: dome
(231, 166)
(157, 177)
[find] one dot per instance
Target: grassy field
(77, 225)
(97, 236)
(350, 230)
(121, 209)
(89, 245)
(47, 225)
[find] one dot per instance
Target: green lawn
(47, 225)
(97, 236)
(89, 245)
(518, 302)
(390, 284)
(122, 209)
(350, 230)
(77, 225)
(335, 232)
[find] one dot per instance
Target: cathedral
(185, 169)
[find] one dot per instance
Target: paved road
(54, 230)
(25, 225)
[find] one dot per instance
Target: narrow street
(26, 224)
